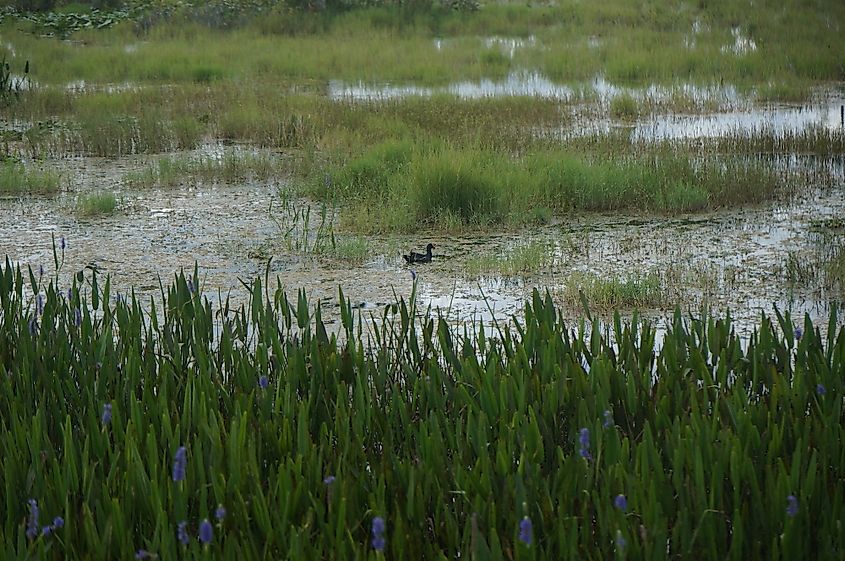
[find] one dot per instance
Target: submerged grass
(149, 417)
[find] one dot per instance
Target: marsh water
(735, 260)
(744, 260)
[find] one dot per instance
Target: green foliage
(96, 204)
(451, 438)
(16, 179)
(607, 294)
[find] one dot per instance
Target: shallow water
(731, 259)
(736, 116)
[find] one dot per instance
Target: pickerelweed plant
(440, 442)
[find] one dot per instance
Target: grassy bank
(605, 450)
(628, 42)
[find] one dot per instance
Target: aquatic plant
(96, 204)
(439, 430)
(15, 178)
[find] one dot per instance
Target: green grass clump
(605, 294)
(304, 436)
(15, 178)
(96, 204)
(229, 168)
(625, 107)
(407, 186)
(529, 259)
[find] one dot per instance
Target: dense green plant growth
(609, 444)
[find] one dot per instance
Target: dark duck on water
(415, 257)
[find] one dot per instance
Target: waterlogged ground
(741, 260)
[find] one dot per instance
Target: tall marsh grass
(15, 178)
(126, 423)
(408, 186)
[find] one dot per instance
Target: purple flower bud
(220, 513)
(608, 419)
(143, 554)
(69, 294)
(820, 389)
(378, 533)
(526, 530)
(413, 275)
(32, 522)
(45, 531)
(798, 332)
(206, 532)
(621, 502)
(584, 441)
(33, 327)
(179, 463)
(263, 382)
(40, 270)
(182, 533)
(58, 522)
(329, 480)
(62, 243)
(584, 437)
(620, 541)
(106, 418)
(791, 506)
(77, 317)
(39, 305)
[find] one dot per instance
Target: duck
(415, 257)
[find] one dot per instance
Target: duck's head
(429, 247)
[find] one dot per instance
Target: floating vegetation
(256, 429)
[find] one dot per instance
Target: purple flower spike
(584, 441)
(526, 531)
(106, 418)
(39, 305)
(220, 513)
(798, 333)
(40, 270)
(378, 533)
(33, 327)
(263, 382)
(329, 480)
(58, 522)
(621, 502)
(206, 532)
(791, 506)
(821, 390)
(179, 464)
(62, 243)
(32, 522)
(46, 530)
(182, 533)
